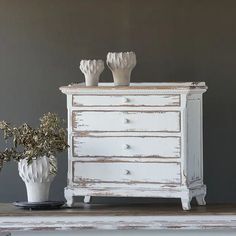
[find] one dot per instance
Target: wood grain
(144, 87)
(108, 217)
(130, 173)
(159, 147)
(122, 141)
(161, 121)
(169, 100)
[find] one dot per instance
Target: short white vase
(92, 70)
(37, 177)
(121, 64)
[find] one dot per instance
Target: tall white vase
(37, 177)
(121, 65)
(92, 70)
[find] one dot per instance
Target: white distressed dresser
(144, 140)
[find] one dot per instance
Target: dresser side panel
(194, 141)
(69, 130)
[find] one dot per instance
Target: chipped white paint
(130, 173)
(162, 121)
(136, 89)
(37, 177)
(117, 189)
(119, 100)
(125, 139)
(120, 222)
(166, 147)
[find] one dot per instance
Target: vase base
(49, 205)
(127, 84)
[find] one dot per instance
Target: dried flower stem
(30, 143)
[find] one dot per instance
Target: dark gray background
(42, 42)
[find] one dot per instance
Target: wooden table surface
(142, 216)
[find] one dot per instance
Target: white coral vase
(92, 70)
(121, 64)
(37, 177)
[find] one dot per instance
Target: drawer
(162, 147)
(129, 100)
(162, 121)
(128, 172)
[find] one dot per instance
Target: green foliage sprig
(30, 143)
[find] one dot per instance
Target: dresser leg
(70, 201)
(69, 198)
(186, 203)
(87, 199)
(201, 199)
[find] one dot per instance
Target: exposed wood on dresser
(143, 140)
(112, 217)
(91, 100)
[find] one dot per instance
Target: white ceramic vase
(121, 65)
(37, 177)
(92, 70)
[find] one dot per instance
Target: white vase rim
(130, 52)
(92, 60)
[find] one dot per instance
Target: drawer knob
(125, 99)
(127, 172)
(126, 121)
(126, 146)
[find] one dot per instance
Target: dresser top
(141, 87)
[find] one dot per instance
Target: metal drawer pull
(126, 146)
(127, 172)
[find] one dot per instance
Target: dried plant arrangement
(30, 143)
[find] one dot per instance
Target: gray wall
(42, 42)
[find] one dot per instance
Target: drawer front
(129, 100)
(87, 172)
(161, 147)
(162, 121)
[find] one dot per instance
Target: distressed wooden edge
(75, 113)
(84, 181)
(142, 88)
(138, 86)
(158, 192)
(131, 92)
(75, 223)
(178, 104)
(77, 136)
(183, 192)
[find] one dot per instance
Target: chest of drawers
(144, 140)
